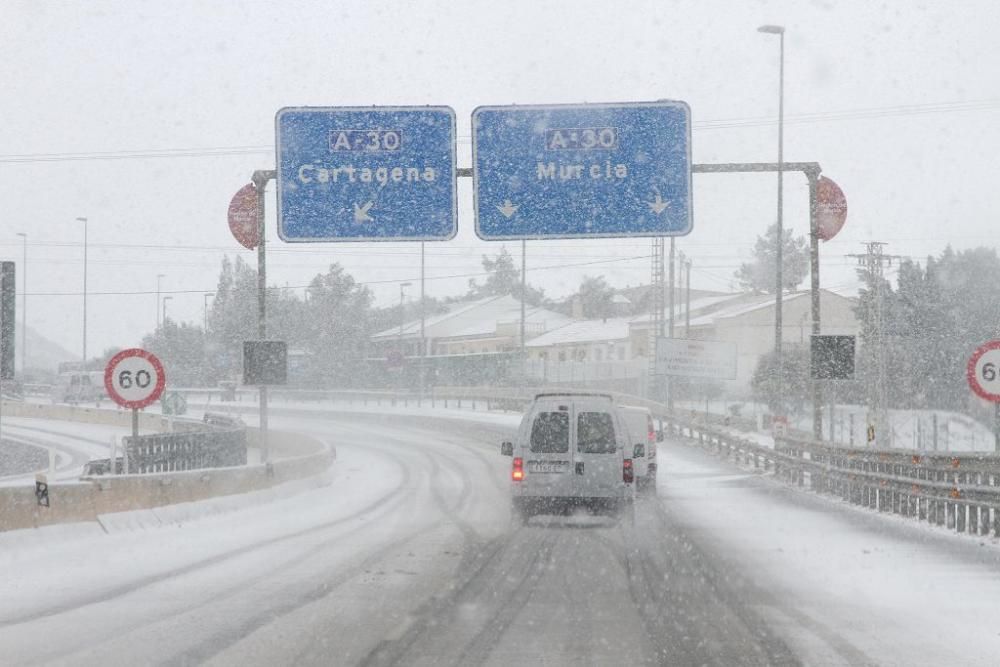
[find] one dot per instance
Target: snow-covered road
(408, 557)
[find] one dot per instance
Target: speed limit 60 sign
(134, 378)
(983, 371)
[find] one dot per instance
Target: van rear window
(550, 433)
(595, 433)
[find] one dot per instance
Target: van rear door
(597, 452)
(548, 461)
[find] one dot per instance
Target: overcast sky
(898, 101)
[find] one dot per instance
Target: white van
(571, 451)
(639, 422)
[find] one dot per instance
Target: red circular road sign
(831, 208)
(134, 378)
(983, 371)
(243, 221)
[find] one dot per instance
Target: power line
(362, 283)
(388, 247)
(718, 124)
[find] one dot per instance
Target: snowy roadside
(842, 581)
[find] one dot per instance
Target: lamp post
(159, 277)
(165, 299)
(780, 32)
(24, 302)
(84, 221)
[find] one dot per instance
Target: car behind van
(643, 437)
(571, 451)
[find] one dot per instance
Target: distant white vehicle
(572, 450)
(639, 422)
(75, 387)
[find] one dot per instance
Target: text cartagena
(312, 173)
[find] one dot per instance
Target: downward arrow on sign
(508, 209)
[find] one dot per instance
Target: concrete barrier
(84, 500)
(86, 415)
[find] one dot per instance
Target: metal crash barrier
(218, 441)
(958, 491)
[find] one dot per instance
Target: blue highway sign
(578, 171)
(366, 174)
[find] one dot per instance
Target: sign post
(134, 378)
(983, 375)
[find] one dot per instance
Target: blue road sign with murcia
(579, 171)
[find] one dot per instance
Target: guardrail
(960, 492)
(218, 441)
(957, 491)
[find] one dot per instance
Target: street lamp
(84, 221)
(780, 32)
(159, 277)
(24, 302)
(165, 299)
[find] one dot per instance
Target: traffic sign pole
(133, 379)
(260, 179)
(996, 428)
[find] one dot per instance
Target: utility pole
(165, 299)
(24, 305)
(681, 264)
(159, 277)
(204, 317)
(423, 317)
(524, 272)
(399, 338)
(687, 300)
(670, 306)
(656, 319)
(873, 261)
(671, 289)
(84, 365)
(779, 249)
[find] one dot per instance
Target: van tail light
(650, 431)
(517, 474)
(628, 475)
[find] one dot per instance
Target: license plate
(548, 466)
